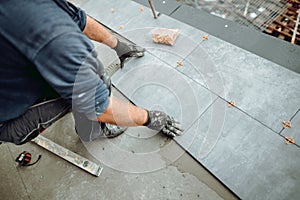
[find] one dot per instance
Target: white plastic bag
(164, 35)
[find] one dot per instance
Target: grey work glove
(160, 121)
(126, 51)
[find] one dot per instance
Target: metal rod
(246, 8)
(296, 28)
(152, 8)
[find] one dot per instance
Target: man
(48, 65)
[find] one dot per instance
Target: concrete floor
(55, 178)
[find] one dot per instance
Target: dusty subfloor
(55, 178)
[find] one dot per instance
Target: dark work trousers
(33, 121)
(43, 114)
(40, 116)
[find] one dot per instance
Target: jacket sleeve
(78, 16)
(69, 64)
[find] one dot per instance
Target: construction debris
(164, 35)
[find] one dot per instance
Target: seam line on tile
(196, 47)
(294, 115)
(205, 110)
(198, 118)
(174, 10)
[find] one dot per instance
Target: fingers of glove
(137, 49)
(174, 130)
(176, 125)
(173, 123)
(168, 132)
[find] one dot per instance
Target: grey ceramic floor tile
(294, 131)
(152, 84)
(250, 159)
(100, 10)
(112, 13)
(257, 86)
(11, 185)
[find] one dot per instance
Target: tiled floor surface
(243, 140)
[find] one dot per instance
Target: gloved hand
(160, 121)
(125, 51)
